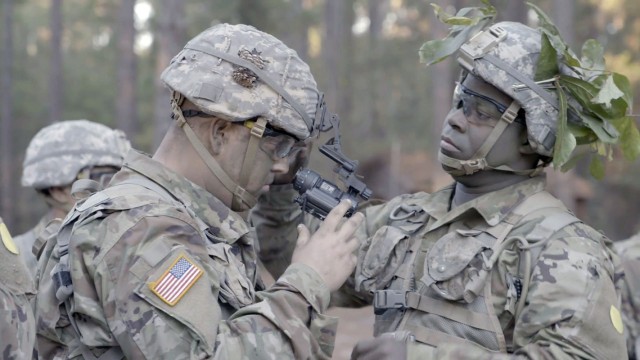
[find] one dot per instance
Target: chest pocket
(381, 257)
(457, 265)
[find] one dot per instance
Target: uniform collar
(493, 207)
(222, 223)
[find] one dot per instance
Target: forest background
(101, 59)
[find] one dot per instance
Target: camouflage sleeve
(131, 297)
(631, 301)
(571, 310)
(17, 326)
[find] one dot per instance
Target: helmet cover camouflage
(517, 46)
(59, 151)
(234, 93)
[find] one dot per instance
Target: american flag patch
(176, 281)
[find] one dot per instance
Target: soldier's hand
(297, 160)
(329, 251)
(382, 347)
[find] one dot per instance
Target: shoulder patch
(7, 240)
(176, 280)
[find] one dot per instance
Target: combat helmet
(58, 152)
(506, 56)
(237, 73)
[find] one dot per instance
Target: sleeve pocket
(181, 288)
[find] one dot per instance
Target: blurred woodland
(101, 59)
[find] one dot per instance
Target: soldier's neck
(470, 187)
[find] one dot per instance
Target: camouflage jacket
(421, 249)
(17, 325)
(629, 251)
(163, 270)
(27, 240)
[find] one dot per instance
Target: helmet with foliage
(236, 72)
(58, 152)
(569, 102)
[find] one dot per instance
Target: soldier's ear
(218, 132)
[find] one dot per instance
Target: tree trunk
(297, 39)
(442, 80)
(56, 85)
(338, 55)
(126, 107)
(372, 124)
(6, 116)
(170, 37)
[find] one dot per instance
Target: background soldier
(162, 264)
(17, 325)
(492, 263)
(58, 155)
(629, 251)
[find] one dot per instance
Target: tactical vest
(462, 312)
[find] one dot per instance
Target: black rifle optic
(317, 195)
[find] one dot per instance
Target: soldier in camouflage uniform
(493, 266)
(58, 155)
(629, 251)
(17, 325)
(161, 264)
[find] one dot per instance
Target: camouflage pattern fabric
(571, 310)
(128, 240)
(26, 241)
(629, 251)
(234, 93)
(59, 151)
(17, 325)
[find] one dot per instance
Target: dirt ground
(354, 325)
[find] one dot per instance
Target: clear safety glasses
(477, 108)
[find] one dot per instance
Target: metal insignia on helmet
(244, 76)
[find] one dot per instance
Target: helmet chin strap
(241, 199)
(478, 161)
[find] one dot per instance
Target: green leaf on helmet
(596, 167)
(603, 130)
(608, 92)
(462, 26)
(592, 55)
(565, 141)
(547, 62)
(545, 21)
(629, 137)
(583, 92)
(578, 154)
(434, 51)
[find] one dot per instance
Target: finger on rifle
(350, 226)
(334, 218)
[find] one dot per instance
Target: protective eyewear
(477, 108)
(275, 143)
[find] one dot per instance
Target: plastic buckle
(259, 127)
(389, 299)
(479, 45)
(471, 166)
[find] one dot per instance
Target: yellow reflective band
(7, 240)
(616, 319)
